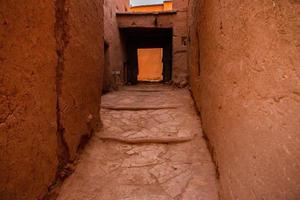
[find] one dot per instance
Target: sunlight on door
(150, 64)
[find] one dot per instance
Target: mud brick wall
(180, 69)
(245, 75)
(115, 52)
(51, 57)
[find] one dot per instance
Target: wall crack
(61, 36)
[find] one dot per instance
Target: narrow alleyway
(150, 148)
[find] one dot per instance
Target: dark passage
(136, 38)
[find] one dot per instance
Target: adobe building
(141, 28)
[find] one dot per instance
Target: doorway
(140, 40)
(150, 64)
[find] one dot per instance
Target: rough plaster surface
(27, 99)
(180, 74)
(115, 52)
(114, 170)
(244, 67)
(81, 72)
(46, 49)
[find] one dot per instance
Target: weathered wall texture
(115, 54)
(28, 144)
(81, 71)
(163, 19)
(245, 76)
(180, 33)
(46, 48)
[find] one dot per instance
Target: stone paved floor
(150, 148)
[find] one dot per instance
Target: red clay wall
(180, 74)
(81, 71)
(37, 70)
(245, 76)
(28, 144)
(115, 55)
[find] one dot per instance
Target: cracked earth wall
(245, 77)
(50, 61)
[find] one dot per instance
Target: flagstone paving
(151, 147)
